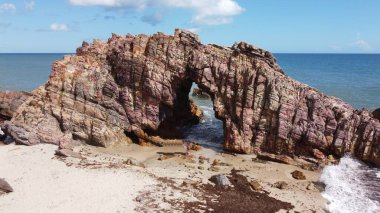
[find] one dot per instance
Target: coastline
(104, 179)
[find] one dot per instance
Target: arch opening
(210, 131)
(191, 118)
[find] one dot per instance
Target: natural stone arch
(131, 83)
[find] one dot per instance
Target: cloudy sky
(339, 26)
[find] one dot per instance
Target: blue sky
(280, 26)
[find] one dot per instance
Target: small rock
(298, 175)
(224, 164)
(200, 93)
(320, 186)
(165, 157)
(311, 187)
(304, 160)
(201, 161)
(220, 180)
(330, 158)
(280, 185)
(191, 160)
(190, 166)
(8, 140)
(214, 169)
(318, 154)
(216, 162)
(275, 158)
(134, 162)
(190, 183)
(4, 186)
(309, 167)
(255, 185)
(195, 147)
(204, 158)
(139, 199)
(201, 168)
(68, 153)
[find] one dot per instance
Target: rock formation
(376, 114)
(5, 187)
(200, 94)
(130, 86)
(9, 103)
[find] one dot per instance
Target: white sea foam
(345, 190)
(378, 175)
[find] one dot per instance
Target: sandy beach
(104, 180)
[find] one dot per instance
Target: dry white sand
(43, 184)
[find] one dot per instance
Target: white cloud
(29, 5)
(211, 12)
(135, 4)
(362, 45)
(193, 30)
(58, 27)
(7, 7)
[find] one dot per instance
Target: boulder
(255, 185)
(214, 169)
(220, 180)
(298, 175)
(280, 185)
(318, 154)
(200, 93)
(376, 114)
(137, 86)
(2, 135)
(311, 187)
(5, 187)
(216, 162)
(10, 101)
(7, 139)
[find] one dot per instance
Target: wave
(349, 187)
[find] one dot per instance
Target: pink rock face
(131, 85)
(10, 102)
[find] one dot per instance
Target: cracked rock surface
(131, 85)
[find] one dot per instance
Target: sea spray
(351, 187)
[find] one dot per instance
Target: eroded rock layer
(130, 85)
(10, 101)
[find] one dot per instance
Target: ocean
(351, 186)
(25, 71)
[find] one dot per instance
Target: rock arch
(133, 83)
